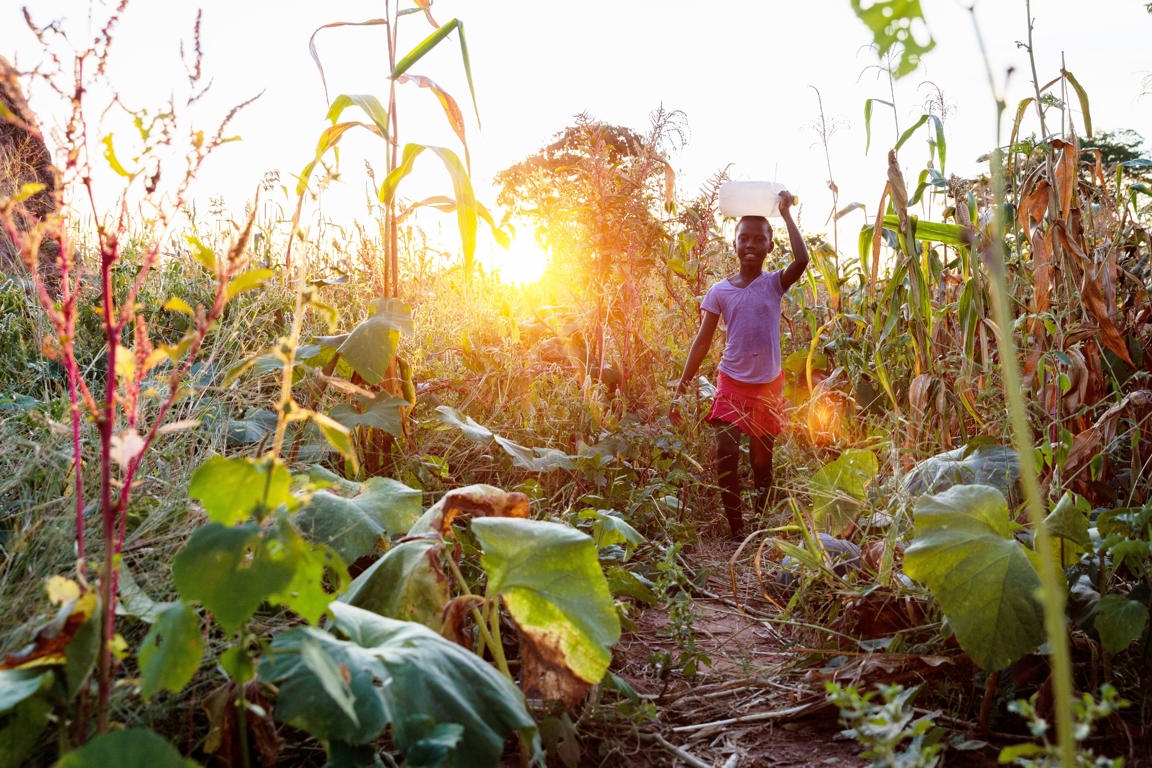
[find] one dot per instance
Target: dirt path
(752, 705)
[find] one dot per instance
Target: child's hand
(786, 201)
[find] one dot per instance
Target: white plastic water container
(750, 198)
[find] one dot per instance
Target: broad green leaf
(384, 412)
(432, 741)
(981, 462)
(609, 527)
(133, 600)
(171, 652)
(1120, 622)
(247, 281)
(535, 459)
(353, 526)
(406, 583)
(477, 433)
(625, 583)
(550, 579)
(370, 347)
(318, 572)
(895, 26)
(1069, 519)
(231, 570)
(395, 312)
(840, 489)
(400, 674)
(131, 748)
(232, 489)
(987, 587)
(328, 675)
(238, 664)
(17, 685)
(24, 711)
(258, 424)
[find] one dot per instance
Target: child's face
(753, 240)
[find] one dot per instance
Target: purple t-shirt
(752, 321)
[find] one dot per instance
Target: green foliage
(889, 731)
(406, 583)
(131, 748)
(328, 687)
(1087, 710)
(965, 553)
(353, 525)
(840, 488)
(549, 577)
(895, 25)
(172, 650)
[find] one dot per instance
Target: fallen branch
(778, 714)
(680, 753)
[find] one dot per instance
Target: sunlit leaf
(202, 253)
(171, 652)
(247, 281)
(338, 435)
(549, 577)
(231, 570)
(447, 103)
(177, 304)
(318, 573)
(232, 489)
(965, 554)
(895, 25)
(367, 102)
(1082, 95)
(111, 158)
(840, 488)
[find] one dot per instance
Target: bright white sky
(743, 71)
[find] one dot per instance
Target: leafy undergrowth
(758, 693)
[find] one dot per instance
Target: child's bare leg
(728, 475)
(760, 454)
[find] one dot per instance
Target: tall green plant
(400, 158)
(115, 400)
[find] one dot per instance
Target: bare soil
(761, 700)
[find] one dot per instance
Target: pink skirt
(756, 409)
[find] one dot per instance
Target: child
(749, 386)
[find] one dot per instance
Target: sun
(523, 262)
